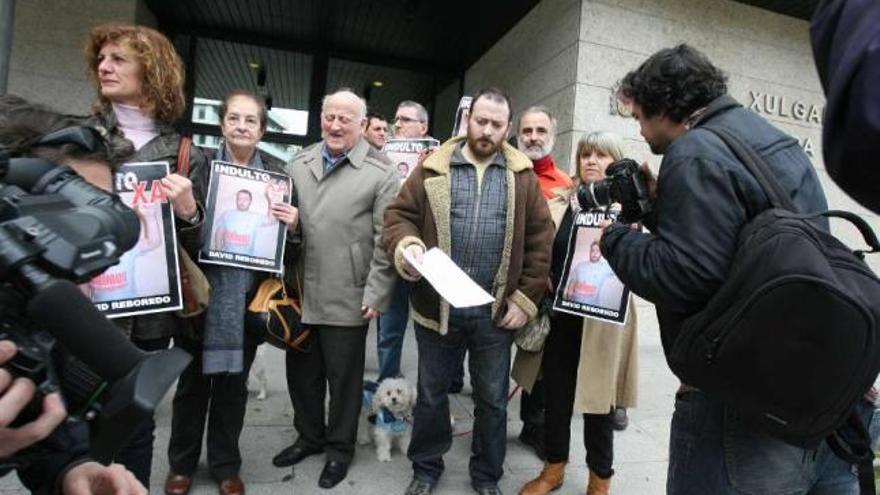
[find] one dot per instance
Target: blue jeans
(489, 351)
(712, 451)
(390, 332)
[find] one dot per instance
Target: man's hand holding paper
(413, 255)
(450, 281)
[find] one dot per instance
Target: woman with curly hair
(139, 79)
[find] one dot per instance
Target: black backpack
(791, 339)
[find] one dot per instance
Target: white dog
(258, 372)
(386, 416)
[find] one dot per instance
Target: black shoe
(533, 437)
(619, 419)
(293, 454)
(487, 489)
(332, 474)
(419, 487)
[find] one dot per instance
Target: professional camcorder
(56, 231)
(624, 184)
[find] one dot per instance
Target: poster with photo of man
(240, 228)
(588, 287)
(459, 127)
(146, 278)
(405, 153)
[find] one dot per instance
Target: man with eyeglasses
(410, 122)
(343, 185)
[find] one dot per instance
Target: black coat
(846, 45)
(162, 148)
(704, 197)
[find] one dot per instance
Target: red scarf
(550, 177)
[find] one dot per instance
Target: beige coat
(342, 262)
(607, 373)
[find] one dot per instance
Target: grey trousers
(336, 359)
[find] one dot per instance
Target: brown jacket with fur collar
(420, 215)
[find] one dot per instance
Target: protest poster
(588, 287)
(405, 153)
(459, 128)
(146, 278)
(240, 229)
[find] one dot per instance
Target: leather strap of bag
(190, 301)
(183, 150)
(852, 443)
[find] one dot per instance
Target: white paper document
(450, 281)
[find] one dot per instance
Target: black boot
(533, 436)
(620, 421)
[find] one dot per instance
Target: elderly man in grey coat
(343, 186)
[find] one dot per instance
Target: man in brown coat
(478, 200)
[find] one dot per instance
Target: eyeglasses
(406, 120)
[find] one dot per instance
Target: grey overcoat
(342, 263)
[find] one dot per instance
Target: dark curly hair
(674, 82)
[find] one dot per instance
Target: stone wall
(46, 64)
(535, 63)
(767, 57)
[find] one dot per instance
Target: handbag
(278, 316)
(531, 336)
(194, 286)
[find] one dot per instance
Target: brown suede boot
(550, 479)
(597, 485)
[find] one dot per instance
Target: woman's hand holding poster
(146, 278)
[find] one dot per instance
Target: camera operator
(63, 463)
(703, 196)
(15, 394)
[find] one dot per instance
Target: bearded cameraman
(64, 465)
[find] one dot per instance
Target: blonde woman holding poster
(589, 366)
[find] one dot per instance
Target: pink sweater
(136, 126)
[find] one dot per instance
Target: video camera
(56, 231)
(624, 183)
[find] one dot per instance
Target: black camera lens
(594, 195)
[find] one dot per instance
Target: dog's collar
(386, 419)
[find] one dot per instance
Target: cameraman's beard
(658, 147)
